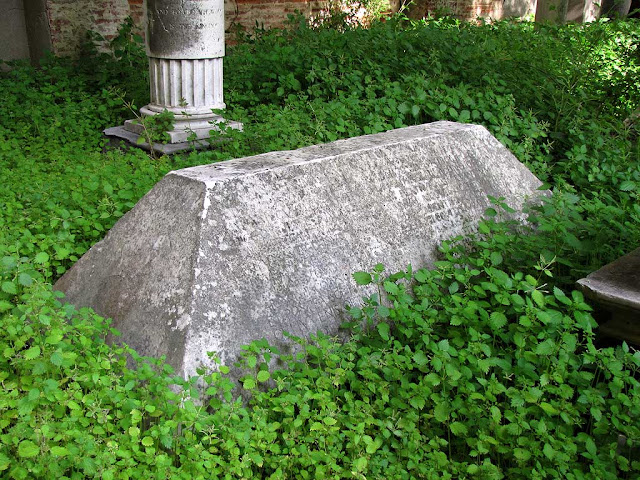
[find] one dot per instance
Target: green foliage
(484, 367)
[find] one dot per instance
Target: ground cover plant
(484, 367)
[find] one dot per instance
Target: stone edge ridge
(257, 164)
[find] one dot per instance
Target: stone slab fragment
(218, 255)
(617, 284)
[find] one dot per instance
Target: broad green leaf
(360, 464)
(263, 375)
(391, 287)
(522, 454)
(559, 294)
(42, 257)
(25, 279)
(362, 278)
(546, 347)
(32, 353)
(417, 402)
(628, 185)
(383, 330)
(5, 462)
(249, 383)
(9, 287)
(497, 320)
(496, 258)
(57, 358)
(548, 451)
(441, 412)
(538, 297)
(458, 428)
(28, 449)
(373, 446)
(420, 358)
(252, 361)
(591, 446)
(59, 451)
(548, 408)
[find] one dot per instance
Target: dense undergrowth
(479, 368)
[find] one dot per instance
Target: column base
(132, 133)
(185, 128)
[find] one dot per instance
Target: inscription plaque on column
(185, 29)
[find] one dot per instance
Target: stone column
(185, 45)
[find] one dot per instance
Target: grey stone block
(616, 284)
(615, 291)
(218, 255)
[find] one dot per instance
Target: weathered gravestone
(218, 255)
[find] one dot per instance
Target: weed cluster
(484, 367)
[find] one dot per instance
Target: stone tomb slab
(216, 256)
(615, 289)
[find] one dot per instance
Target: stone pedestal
(185, 45)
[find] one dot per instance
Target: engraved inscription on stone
(185, 29)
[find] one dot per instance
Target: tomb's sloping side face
(219, 255)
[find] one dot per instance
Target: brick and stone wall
(69, 20)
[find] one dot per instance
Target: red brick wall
(462, 9)
(70, 19)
